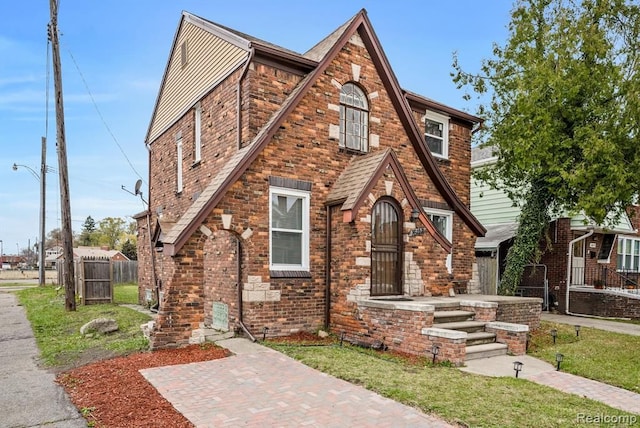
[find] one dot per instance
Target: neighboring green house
(582, 252)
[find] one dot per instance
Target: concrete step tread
(480, 335)
(458, 325)
(452, 314)
(486, 347)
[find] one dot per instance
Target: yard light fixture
(554, 334)
(577, 330)
(435, 350)
(264, 333)
(559, 359)
(342, 338)
(517, 366)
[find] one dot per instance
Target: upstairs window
(197, 143)
(436, 133)
(179, 162)
(354, 118)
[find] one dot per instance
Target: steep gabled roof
(360, 24)
(356, 181)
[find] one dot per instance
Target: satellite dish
(137, 187)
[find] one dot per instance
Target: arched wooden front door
(386, 248)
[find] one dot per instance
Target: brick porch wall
(604, 304)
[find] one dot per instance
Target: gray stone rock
(99, 325)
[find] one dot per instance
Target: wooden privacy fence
(93, 280)
(124, 272)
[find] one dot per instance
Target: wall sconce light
(264, 333)
(577, 330)
(559, 359)
(435, 350)
(554, 334)
(415, 215)
(517, 366)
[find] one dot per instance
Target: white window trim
(621, 267)
(448, 232)
(445, 132)
(179, 184)
(306, 209)
(197, 150)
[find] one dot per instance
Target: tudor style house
(285, 188)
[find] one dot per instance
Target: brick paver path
(610, 395)
(268, 389)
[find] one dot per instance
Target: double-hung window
(179, 162)
(443, 221)
(354, 118)
(628, 254)
(289, 229)
(197, 141)
(436, 134)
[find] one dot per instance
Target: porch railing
(605, 277)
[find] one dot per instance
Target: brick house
(286, 188)
(600, 264)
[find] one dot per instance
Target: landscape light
(264, 333)
(517, 366)
(577, 330)
(435, 350)
(559, 359)
(554, 334)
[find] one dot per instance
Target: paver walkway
(610, 395)
(262, 387)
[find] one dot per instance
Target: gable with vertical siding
(211, 55)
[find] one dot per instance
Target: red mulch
(112, 393)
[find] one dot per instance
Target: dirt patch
(113, 393)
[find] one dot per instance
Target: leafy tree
(130, 250)
(88, 235)
(562, 116)
(54, 238)
(111, 230)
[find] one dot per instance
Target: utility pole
(43, 189)
(65, 203)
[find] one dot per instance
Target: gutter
(245, 70)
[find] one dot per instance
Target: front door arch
(386, 248)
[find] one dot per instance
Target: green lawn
(57, 332)
(608, 357)
(458, 397)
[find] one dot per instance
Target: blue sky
(113, 57)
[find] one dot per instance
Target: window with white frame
(289, 229)
(197, 142)
(179, 162)
(354, 118)
(443, 221)
(628, 254)
(436, 134)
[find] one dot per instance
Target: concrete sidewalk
(601, 324)
(29, 396)
(259, 387)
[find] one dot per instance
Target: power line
(104, 122)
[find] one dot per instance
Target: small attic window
(183, 54)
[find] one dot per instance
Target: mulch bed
(112, 393)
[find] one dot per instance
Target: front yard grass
(57, 332)
(600, 355)
(458, 397)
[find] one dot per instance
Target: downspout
(239, 284)
(245, 70)
(578, 239)
(154, 276)
(327, 270)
